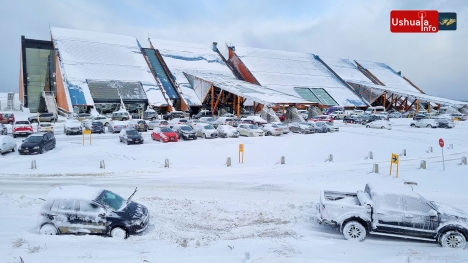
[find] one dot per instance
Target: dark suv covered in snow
(79, 209)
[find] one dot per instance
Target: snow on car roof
(80, 192)
(399, 189)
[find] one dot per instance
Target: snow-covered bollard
(166, 163)
(429, 150)
(283, 161)
(371, 155)
(450, 146)
(375, 168)
(330, 158)
(102, 165)
(423, 164)
(403, 152)
(33, 164)
(463, 160)
(228, 162)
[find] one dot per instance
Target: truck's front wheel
(354, 231)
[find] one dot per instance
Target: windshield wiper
(129, 198)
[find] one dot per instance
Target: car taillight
(276, 129)
(115, 127)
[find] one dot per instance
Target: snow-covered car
(177, 121)
(164, 134)
(459, 116)
(117, 126)
(209, 120)
(72, 127)
(194, 122)
(445, 123)
(331, 127)
(256, 120)
(185, 132)
(102, 119)
(130, 136)
(298, 127)
(395, 114)
(425, 123)
(250, 130)
(157, 123)
(206, 131)
(338, 115)
(7, 143)
(224, 121)
(379, 124)
(77, 209)
(272, 129)
(318, 126)
(393, 210)
(227, 131)
(45, 127)
(282, 126)
(22, 128)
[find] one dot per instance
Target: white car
(379, 124)
(157, 123)
(226, 131)
(102, 119)
(45, 127)
(7, 143)
(256, 119)
(272, 129)
(331, 127)
(282, 126)
(209, 120)
(425, 123)
(177, 121)
(250, 130)
(206, 131)
(72, 127)
(117, 126)
(224, 120)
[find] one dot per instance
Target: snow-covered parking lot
(258, 211)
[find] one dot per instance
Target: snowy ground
(203, 211)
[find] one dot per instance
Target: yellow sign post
(455, 120)
(241, 150)
(87, 132)
(394, 160)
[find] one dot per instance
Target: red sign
(441, 142)
(414, 21)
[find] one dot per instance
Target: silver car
(250, 130)
(157, 123)
(206, 131)
(117, 126)
(227, 131)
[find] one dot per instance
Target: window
(416, 205)
(66, 205)
(392, 202)
(317, 95)
(88, 207)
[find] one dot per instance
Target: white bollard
(228, 162)
(166, 163)
(371, 155)
(283, 161)
(330, 158)
(404, 152)
(463, 160)
(423, 164)
(33, 164)
(102, 165)
(375, 168)
(429, 150)
(450, 146)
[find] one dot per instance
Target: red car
(322, 118)
(22, 128)
(164, 134)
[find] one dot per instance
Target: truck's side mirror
(433, 212)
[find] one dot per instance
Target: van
(7, 118)
(375, 110)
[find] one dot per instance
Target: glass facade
(37, 63)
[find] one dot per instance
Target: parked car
(445, 123)
(203, 113)
(38, 143)
(250, 130)
(3, 129)
(150, 115)
(193, 123)
(298, 127)
(138, 124)
(7, 118)
(7, 143)
(97, 127)
(83, 116)
(338, 115)
(164, 134)
(379, 124)
(120, 116)
(366, 118)
(177, 121)
(425, 123)
(224, 120)
(227, 131)
(43, 117)
(459, 116)
(282, 126)
(174, 114)
(22, 128)
(185, 132)
(94, 211)
(419, 117)
(45, 127)
(392, 210)
(102, 119)
(256, 120)
(130, 136)
(353, 119)
(209, 120)
(331, 127)
(206, 131)
(395, 114)
(319, 126)
(117, 126)
(322, 118)
(228, 115)
(72, 127)
(272, 129)
(157, 123)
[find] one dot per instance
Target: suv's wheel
(124, 119)
(106, 124)
(354, 231)
(118, 233)
(268, 134)
(429, 126)
(48, 229)
(453, 239)
(367, 126)
(382, 127)
(413, 125)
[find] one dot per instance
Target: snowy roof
(389, 188)
(99, 56)
(260, 94)
(283, 71)
(387, 75)
(346, 69)
(80, 192)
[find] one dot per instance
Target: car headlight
(130, 139)
(136, 222)
(36, 147)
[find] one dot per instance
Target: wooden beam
(217, 100)
(385, 100)
(238, 106)
(405, 101)
(393, 99)
(411, 105)
(212, 99)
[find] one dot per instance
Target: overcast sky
(437, 63)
